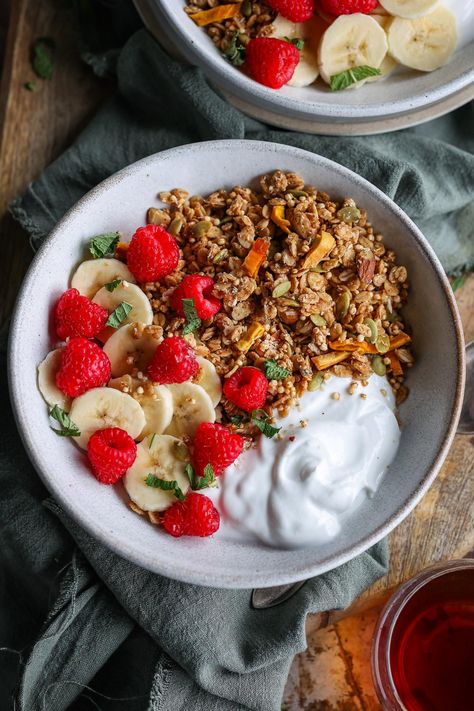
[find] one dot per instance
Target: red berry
(247, 388)
(199, 288)
(173, 362)
(271, 61)
(215, 445)
(111, 452)
(294, 10)
(347, 7)
(195, 516)
(83, 366)
(76, 315)
(153, 253)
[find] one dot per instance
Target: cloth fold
(138, 640)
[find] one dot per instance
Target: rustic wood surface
(34, 128)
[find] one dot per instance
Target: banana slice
(388, 63)
(133, 295)
(408, 8)
(155, 400)
(208, 379)
(106, 407)
(47, 370)
(191, 406)
(90, 276)
(425, 43)
(351, 41)
(311, 31)
(157, 455)
(132, 346)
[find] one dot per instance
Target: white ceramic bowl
(403, 99)
(429, 415)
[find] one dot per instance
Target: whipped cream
(296, 490)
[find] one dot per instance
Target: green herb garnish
(235, 52)
(68, 428)
(158, 483)
(236, 419)
(30, 85)
(297, 41)
(201, 482)
(351, 76)
(119, 314)
(112, 285)
(261, 418)
(458, 282)
(192, 319)
(273, 371)
(42, 57)
(101, 245)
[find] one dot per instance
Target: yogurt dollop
(297, 489)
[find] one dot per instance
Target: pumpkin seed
(349, 214)
(382, 343)
(342, 304)
(318, 320)
(378, 366)
(318, 268)
(281, 289)
(246, 8)
(290, 302)
(298, 193)
(175, 226)
(223, 254)
(201, 228)
(225, 220)
(181, 451)
(315, 382)
(373, 329)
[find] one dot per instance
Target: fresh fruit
(347, 7)
(155, 401)
(246, 388)
(130, 294)
(294, 10)
(131, 347)
(75, 315)
(388, 62)
(425, 43)
(271, 61)
(153, 253)
(174, 361)
(215, 445)
(111, 452)
(351, 41)
(83, 366)
(199, 288)
(92, 275)
(158, 456)
(47, 370)
(106, 407)
(195, 516)
(208, 379)
(409, 8)
(307, 69)
(191, 406)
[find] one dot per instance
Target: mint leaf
(112, 285)
(192, 319)
(190, 473)
(458, 282)
(158, 483)
(68, 428)
(201, 482)
(236, 419)
(100, 245)
(119, 314)
(351, 76)
(263, 424)
(297, 41)
(42, 57)
(30, 85)
(273, 371)
(235, 52)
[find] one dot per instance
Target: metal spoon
(269, 597)
(466, 420)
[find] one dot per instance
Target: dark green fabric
(139, 640)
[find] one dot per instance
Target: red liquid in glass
(432, 647)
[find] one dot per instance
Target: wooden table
(36, 127)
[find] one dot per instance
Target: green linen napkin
(139, 640)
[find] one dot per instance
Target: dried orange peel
(321, 247)
(121, 249)
(329, 359)
(395, 364)
(254, 331)
(278, 217)
(255, 258)
(216, 14)
(353, 345)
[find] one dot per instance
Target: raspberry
(153, 253)
(271, 61)
(294, 10)
(247, 388)
(347, 7)
(83, 366)
(199, 288)
(215, 445)
(111, 452)
(195, 516)
(76, 315)
(173, 362)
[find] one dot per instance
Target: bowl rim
(236, 579)
(231, 80)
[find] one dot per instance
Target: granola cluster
(325, 298)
